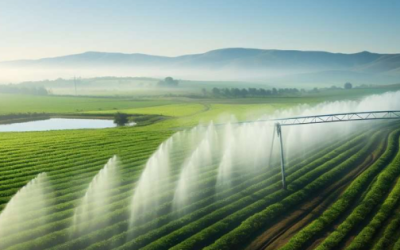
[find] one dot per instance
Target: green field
(72, 159)
(199, 125)
(12, 104)
(183, 110)
(345, 194)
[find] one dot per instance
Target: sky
(32, 29)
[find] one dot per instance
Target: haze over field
(282, 66)
(288, 42)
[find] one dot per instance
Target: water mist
(200, 158)
(236, 152)
(29, 203)
(155, 176)
(94, 203)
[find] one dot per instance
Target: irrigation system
(328, 118)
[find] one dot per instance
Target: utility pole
(75, 85)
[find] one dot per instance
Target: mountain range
(234, 63)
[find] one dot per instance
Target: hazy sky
(44, 28)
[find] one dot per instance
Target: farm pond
(58, 124)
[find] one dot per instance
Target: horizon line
(191, 54)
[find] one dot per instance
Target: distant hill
(234, 63)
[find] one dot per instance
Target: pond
(57, 124)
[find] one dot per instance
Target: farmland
(341, 194)
(188, 125)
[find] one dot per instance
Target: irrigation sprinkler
(328, 118)
(316, 119)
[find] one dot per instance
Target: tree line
(253, 92)
(261, 92)
(12, 89)
(168, 82)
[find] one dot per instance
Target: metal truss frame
(340, 117)
(328, 118)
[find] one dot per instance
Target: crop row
(166, 226)
(310, 188)
(10, 152)
(115, 209)
(73, 167)
(118, 239)
(128, 191)
(374, 197)
(249, 204)
(347, 198)
(66, 155)
(365, 236)
(389, 234)
(122, 191)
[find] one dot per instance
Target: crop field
(55, 104)
(14, 104)
(359, 211)
(212, 125)
(168, 185)
(183, 109)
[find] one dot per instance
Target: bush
(121, 119)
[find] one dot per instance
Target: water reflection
(58, 124)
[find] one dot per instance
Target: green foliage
(348, 85)
(251, 225)
(374, 196)
(389, 234)
(254, 92)
(70, 178)
(364, 238)
(72, 158)
(28, 90)
(256, 202)
(347, 198)
(168, 82)
(16, 104)
(121, 119)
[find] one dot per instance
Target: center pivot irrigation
(328, 118)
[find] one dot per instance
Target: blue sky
(44, 28)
